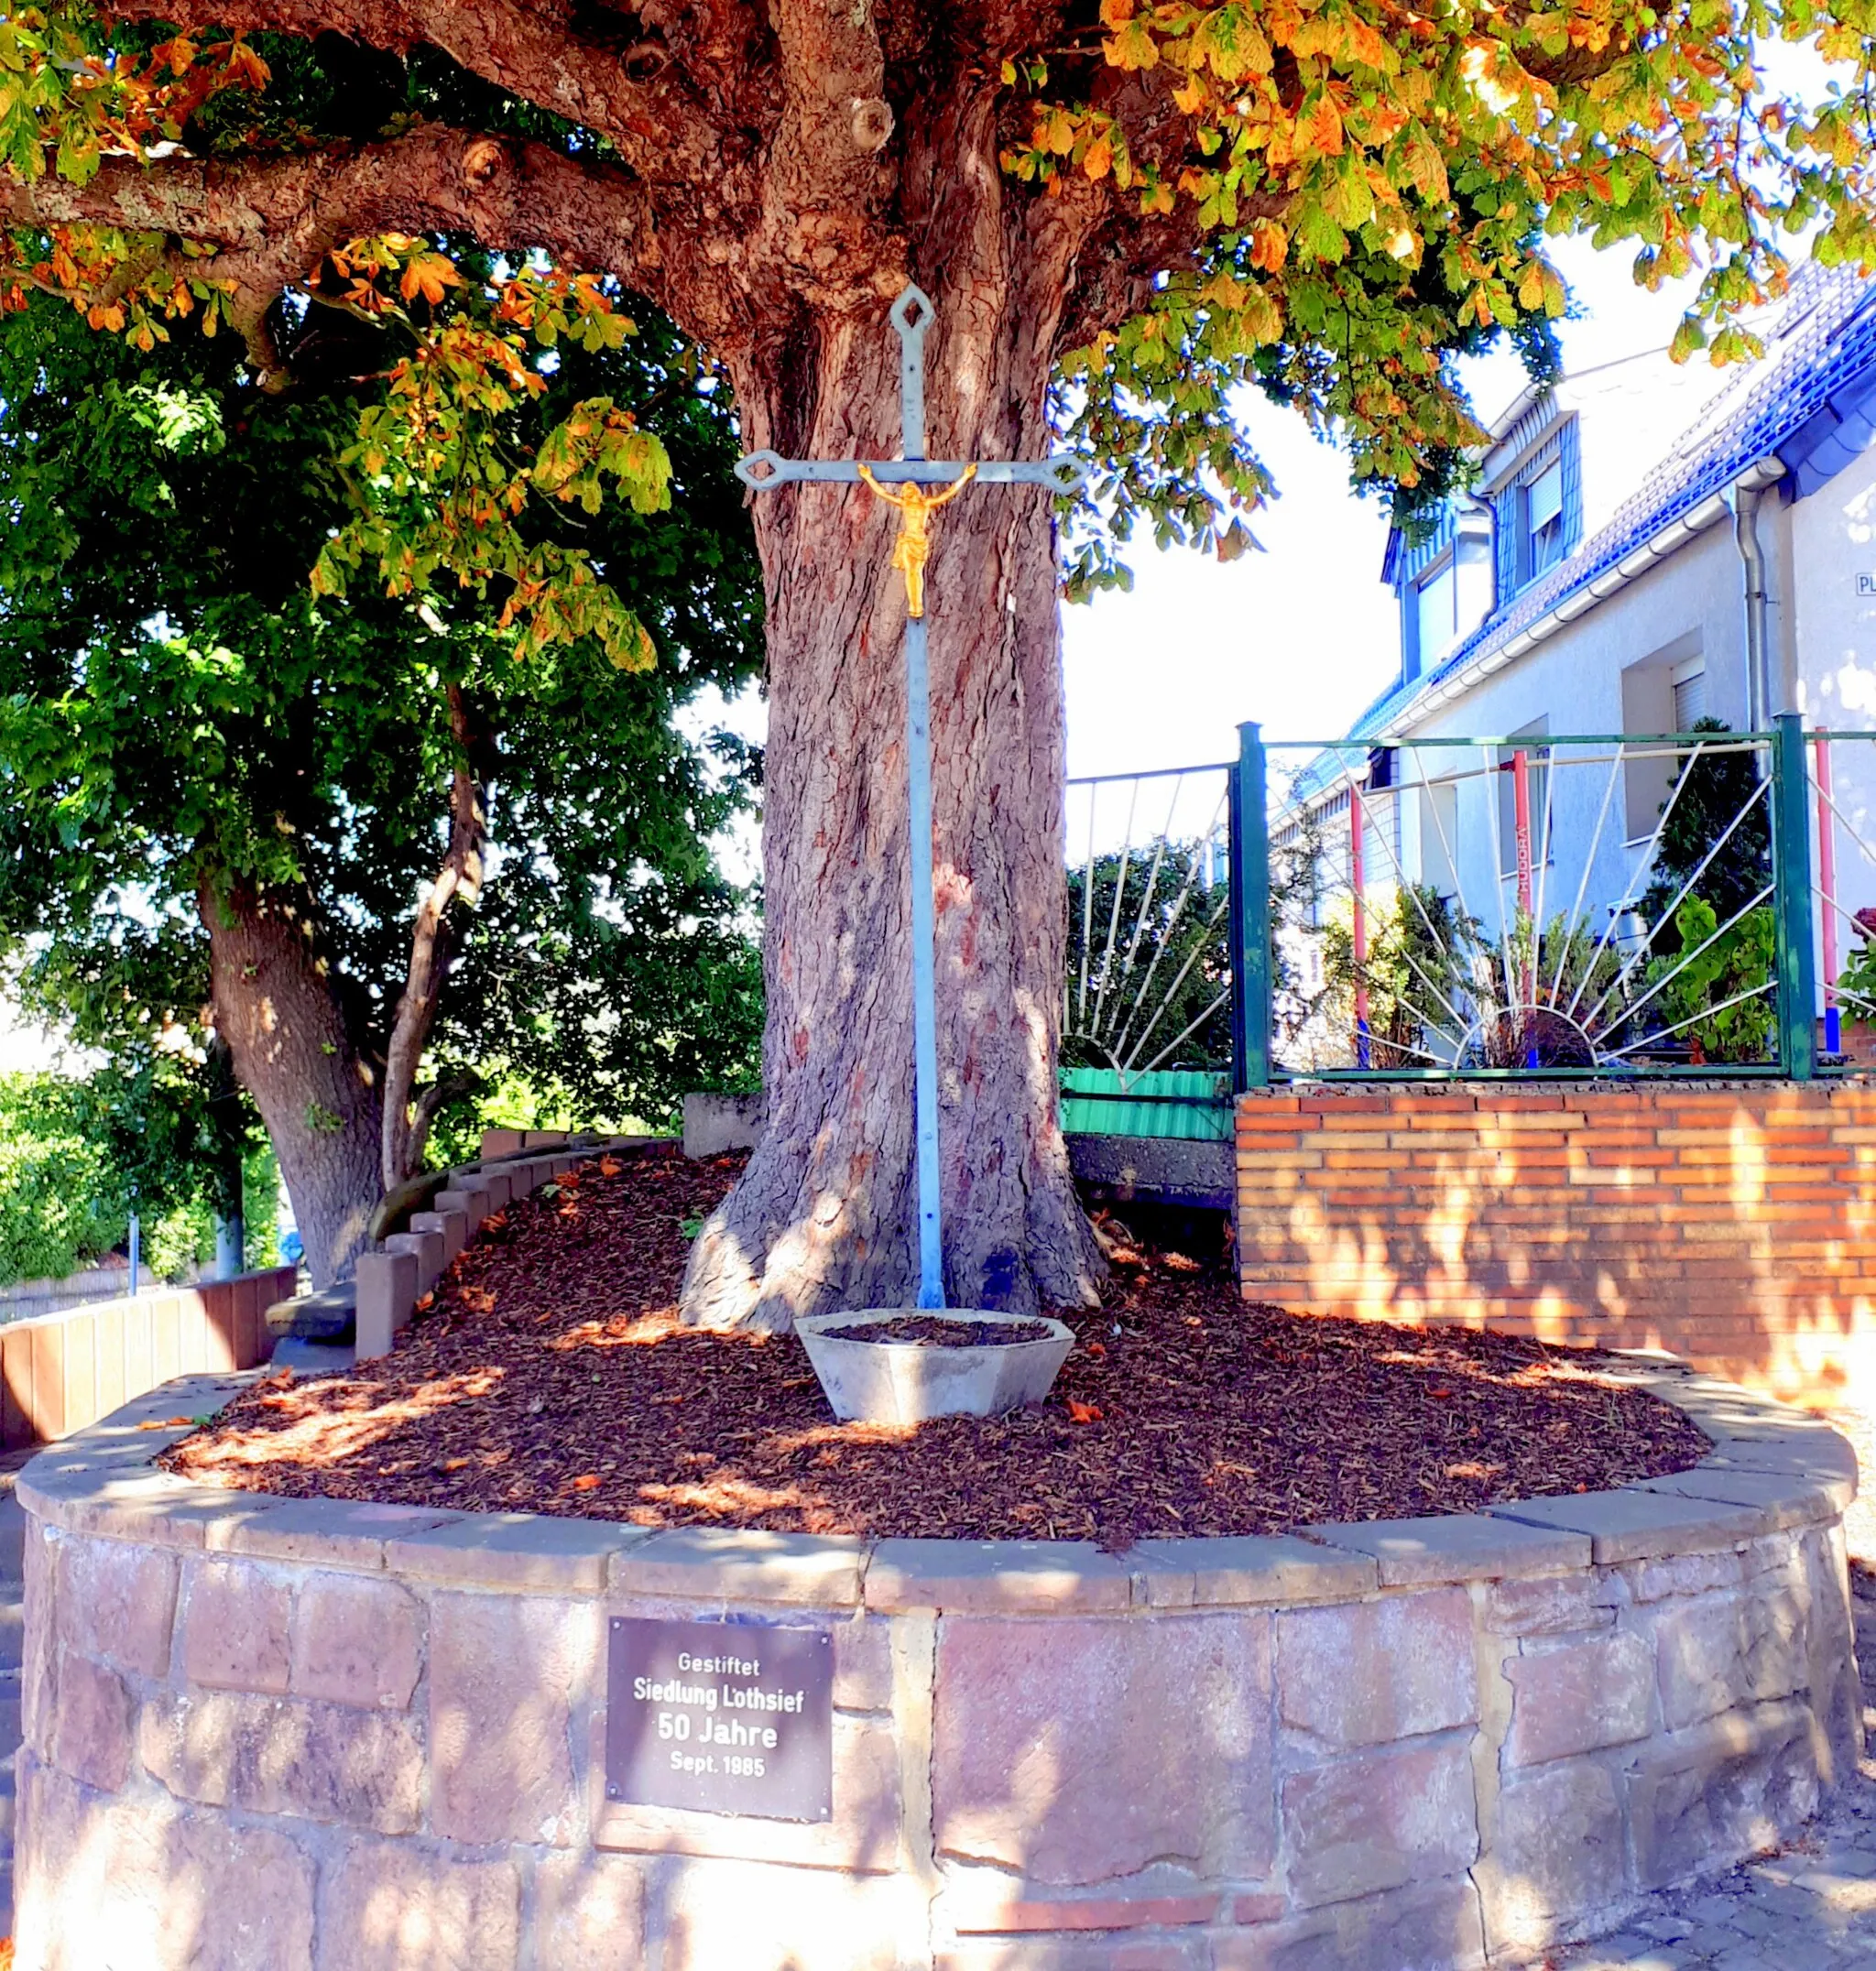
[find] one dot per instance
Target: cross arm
(762, 471)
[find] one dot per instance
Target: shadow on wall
(1735, 1226)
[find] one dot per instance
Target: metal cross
(912, 316)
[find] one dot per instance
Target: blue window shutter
(1409, 631)
(1508, 520)
(1571, 455)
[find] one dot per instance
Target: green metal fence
(1520, 905)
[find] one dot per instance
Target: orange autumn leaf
(587, 1482)
(1085, 1412)
(610, 1167)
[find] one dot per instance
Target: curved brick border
(312, 1736)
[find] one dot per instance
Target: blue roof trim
(1815, 392)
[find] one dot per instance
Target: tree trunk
(826, 1215)
(276, 1007)
(433, 942)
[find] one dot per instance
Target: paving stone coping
(1771, 1469)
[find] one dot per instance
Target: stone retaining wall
(300, 1736)
(1734, 1226)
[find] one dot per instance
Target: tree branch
(643, 102)
(270, 220)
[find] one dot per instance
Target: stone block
(757, 1918)
(864, 1835)
(91, 1724)
(1723, 1651)
(467, 1201)
(502, 1143)
(589, 1913)
(1561, 1605)
(1788, 1499)
(1638, 1526)
(717, 1122)
(863, 1664)
(1554, 1854)
(427, 1248)
(448, 1223)
(1367, 1673)
(703, 1563)
(328, 1315)
(1242, 1572)
(1428, 1552)
(327, 1533)
(1434, 1926)
(977, 1902)
(995, 1576)
(1815, 1454)
(236, 1623)
(1036, 1721)
(503, 1674)
(1074, 1953)
(387, 1286)
(38, 1640)
(318, 1762)
(1580, 1696)
(117, 1603)
(1685, 1573)
(1379, 1821)
(1699, 1800)
(386, 1906)
(1836, 1689)
(356, 1641)
(107, 1883)
(522, 1552)
(500, 1186)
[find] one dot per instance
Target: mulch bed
(552, 1376)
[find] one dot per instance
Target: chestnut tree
(1122, 212)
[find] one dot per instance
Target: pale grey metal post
(912, 316)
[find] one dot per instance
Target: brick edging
(1771, 1469)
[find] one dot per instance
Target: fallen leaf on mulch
(553, 1375)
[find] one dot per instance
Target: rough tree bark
(825, 1213)
(276, 1009)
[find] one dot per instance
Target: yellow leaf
(1099, 159)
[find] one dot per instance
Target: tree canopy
(1124, 210)
(1325, 197)
(183, 719)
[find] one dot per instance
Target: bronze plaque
(721, 1718)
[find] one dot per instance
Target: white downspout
(1745, 505)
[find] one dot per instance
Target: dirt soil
(550, 1375)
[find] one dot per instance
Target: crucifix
(908, 483)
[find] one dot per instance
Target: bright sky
(1303, 636)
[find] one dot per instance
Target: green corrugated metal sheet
(1100, 1102)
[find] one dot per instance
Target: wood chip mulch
(552, 1376)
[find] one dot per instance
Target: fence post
(1250, 915)
(1798, 964)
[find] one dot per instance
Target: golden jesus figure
(912, 550)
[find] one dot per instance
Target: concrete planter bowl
(908, 1381)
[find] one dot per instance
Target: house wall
(1691, 604)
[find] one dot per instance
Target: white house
(1575, 594)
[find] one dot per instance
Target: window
(1436, 613)
(1543, 510)
(1689, 681)
(1538, 507)
(1537, 779)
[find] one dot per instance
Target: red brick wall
(61, 1372)
(1735, 1226)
